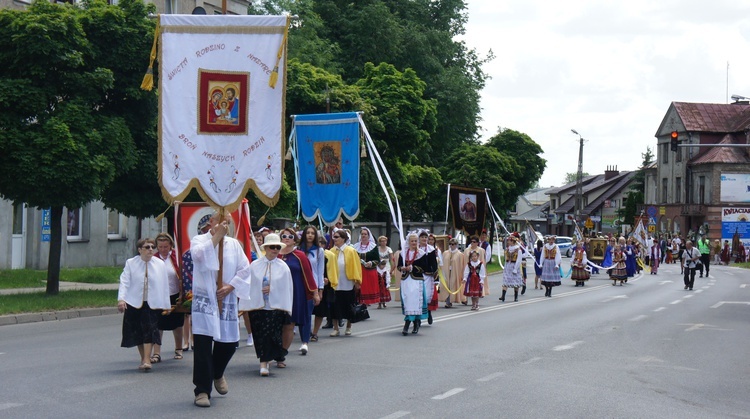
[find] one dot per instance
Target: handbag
(359, 312)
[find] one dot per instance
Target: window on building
(74, 224)
(665, 153)
(701, 190)
(664, 186)
(678, 155)
(116, 225)
(18, 218)
(623, 202)
(678, 190)
(169, 7)
(553, 204)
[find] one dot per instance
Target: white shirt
(281, 288)
(133, 278)
(224, 326)
(344, 283)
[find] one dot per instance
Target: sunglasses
(474, 241)
(148, 246)
(336, 237)
(273, 247)
(288, 236)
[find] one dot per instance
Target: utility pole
(579, 178)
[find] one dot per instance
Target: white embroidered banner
(221, 115)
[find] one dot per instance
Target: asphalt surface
(648, 349)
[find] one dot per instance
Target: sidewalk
(58, 315)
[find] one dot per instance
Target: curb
(55, 315)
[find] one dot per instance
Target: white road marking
(568, 346)
(490, 377)
(659, 309)
(100, 385)
(676, 302)
(664, 282)
(688, 296)
(649, 359)
(532, 360)
(448, 393)
(396, 415)
(616, 297)
(720, 303)
(638, 318)
(694, 327)
(743, 286)
(4, 406)
(705, 288)
(698, 291)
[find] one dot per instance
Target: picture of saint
(224, 99)
(327, 163)
(468, 207)
(598, 251)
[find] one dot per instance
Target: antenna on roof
(738, 98)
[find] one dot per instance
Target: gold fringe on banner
(275, 73)
(148, 79)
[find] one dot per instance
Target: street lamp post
(579, 178)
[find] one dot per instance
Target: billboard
(735, 187)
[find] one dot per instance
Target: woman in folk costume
(654, 257)
(369, 258)
(473, 279)
(270, 303)
(143, 294)
(454, 262)
(385, 253)
(413, 263)
(619, 271)
(429, 276)
(551, 260)
(538, 264)
(630, 264)
(512, 272)
(384, 281)
(579, 262)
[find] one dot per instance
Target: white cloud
(608, 69)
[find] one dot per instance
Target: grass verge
(29, 278)
(39, 302)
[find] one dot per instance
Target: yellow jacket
(332, 273)
(351, 262)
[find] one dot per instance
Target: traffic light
(673, 141)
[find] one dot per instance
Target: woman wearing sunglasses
(143, 294)
(305, 291)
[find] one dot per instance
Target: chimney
(610, 172)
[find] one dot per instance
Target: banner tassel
(148, 79)
(163, 214)
(275, 73)
(262, 219)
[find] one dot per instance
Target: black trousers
(705, 259)
(689, 277)
(210, 359)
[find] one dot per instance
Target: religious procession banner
(326, 148)
(468, 208)
(191, 219)
(221, 107)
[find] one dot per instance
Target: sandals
(155, 359)
(144, 367)
(313, 338)
(280, 364)
(177, 354)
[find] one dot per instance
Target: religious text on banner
(469, 209)
(221, 123)
(328, 156)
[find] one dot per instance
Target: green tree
(636, 191)
(573, 177)
(526, 154)
(57, 147)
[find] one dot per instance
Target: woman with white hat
(270, 303)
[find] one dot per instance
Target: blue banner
(328, 159)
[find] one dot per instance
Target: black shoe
(328, 325)
(406, 328)
(417, 323)
(429, 318)
(341, 323)
(523, 290)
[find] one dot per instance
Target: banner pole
(219, 280)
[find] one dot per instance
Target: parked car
(565, 244)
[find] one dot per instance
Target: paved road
(648, 349)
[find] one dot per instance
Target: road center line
(4, 406)
(568, 346)
(532, 360)
(676, 302)
(659, 309)
(396, 415)
(490, 377)
(448, 393)
(688, 296)
(638, 318)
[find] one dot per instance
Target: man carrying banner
(214, 311)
